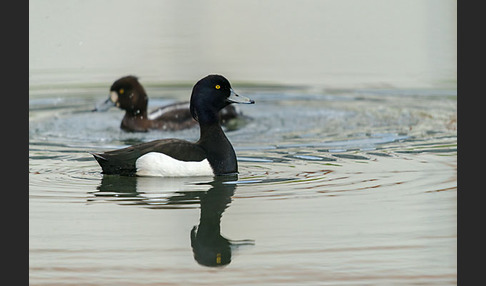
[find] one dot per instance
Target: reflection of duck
(119, 185)
(210, 248)
(128, 94)
(150, 192)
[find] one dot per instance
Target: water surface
(335, 187)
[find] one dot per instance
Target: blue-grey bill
(235, 98)
(105, 105)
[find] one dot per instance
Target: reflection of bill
(210, 248)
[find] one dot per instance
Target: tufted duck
(128, 94)
(212, 154)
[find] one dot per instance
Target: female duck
(213, 154)
(128, 94)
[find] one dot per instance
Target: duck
(211, 155)
(128, 94)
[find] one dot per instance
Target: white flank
(161, 165)
(155, 114)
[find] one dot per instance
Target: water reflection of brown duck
(210, 248)
(128, 94)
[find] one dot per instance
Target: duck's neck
(138, 113)
(135, 121)
(221, 154)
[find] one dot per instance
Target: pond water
(335, 187)
(347, 160)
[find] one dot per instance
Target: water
(340, 187)
(348, 159)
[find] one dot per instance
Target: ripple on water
(296, 145)
(308, 174)
(351, 173)
(58, 172)
(345, 192)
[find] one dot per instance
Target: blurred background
(331, 44)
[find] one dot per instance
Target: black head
(128, 94)
(211, 94)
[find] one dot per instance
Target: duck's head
(211, 94)
(127, 94)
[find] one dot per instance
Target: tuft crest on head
(210, 95)
(128, 94)
(215, 81)
(209, 92)
(124, 83)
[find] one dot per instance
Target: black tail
(113, 167)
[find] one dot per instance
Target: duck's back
(172, 112)
(177, 116)
(172, 117)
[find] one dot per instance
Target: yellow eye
(217, 86)
(121, 91)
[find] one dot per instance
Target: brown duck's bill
(108, 103)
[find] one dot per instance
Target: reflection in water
(210, 248)
(117, 186)
(150, 192)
